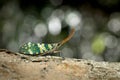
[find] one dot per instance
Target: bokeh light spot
(40, 30)
(56, 2)
(114, 25)
(111, 41)
(54, 26)
(73, 19)
(98, 45)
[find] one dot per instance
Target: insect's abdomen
(31, 48)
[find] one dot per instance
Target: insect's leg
(43, 54)
(23, 56)
(58, 51)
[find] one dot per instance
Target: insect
(31, 48)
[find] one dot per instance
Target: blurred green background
(97, 24)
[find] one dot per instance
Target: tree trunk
(13, 67)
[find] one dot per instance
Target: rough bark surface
(13, 67)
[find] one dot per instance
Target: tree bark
(13, 67)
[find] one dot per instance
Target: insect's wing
(30, 49)
(47, 48)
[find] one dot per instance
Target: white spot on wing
(30, 51)
(40, 47)
(49, 45)
(29, 44)
(43, 47)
